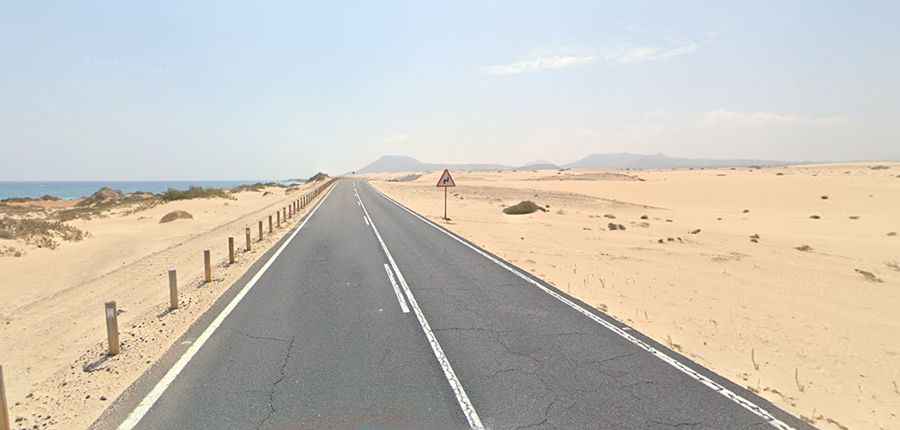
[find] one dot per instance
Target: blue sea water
(78, 189)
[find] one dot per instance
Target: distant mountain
(400, 163)
(660, 161)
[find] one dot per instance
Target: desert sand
(785, 279)
(52, 327)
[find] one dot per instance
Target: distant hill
(399, 163)
(659, 161)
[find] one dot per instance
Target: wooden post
(173, 289)
(260, 230)
(112, 328)
(284, 214)
(247, 236)
(207, 266)
(4, 411)
(4, 408)
(230, 250)
(278, 219)
(270, 224)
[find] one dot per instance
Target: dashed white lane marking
(734, 397)
(400, 298)
(153, 396)
(461, 397)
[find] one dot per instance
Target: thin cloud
(648, 53)
(721, 117)
(538, 64)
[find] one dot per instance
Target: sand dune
(727, 266)
(52, 330)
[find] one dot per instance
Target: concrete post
(207, 266)
(173, 289)
(247, 237)
(230, 250)
(112, 328)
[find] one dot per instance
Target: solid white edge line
(461, 397)
(153, 396)
(734, 397)
(366, 220)
(400, 298)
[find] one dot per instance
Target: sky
(259, 90)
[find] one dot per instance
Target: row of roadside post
(282, 216)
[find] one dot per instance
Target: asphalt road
(321, 340)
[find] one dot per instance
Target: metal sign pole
(445, 203)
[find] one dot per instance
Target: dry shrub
(868, 276)
(523, 208)
(194, 193)
(38, 232)
(804, 248)
(175, 215)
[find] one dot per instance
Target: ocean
(78, 189)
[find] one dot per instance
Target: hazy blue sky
(215, 90)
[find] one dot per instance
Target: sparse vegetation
(523, 208)
(815, 217)
(175, 215)
(893, 265)
(613, 226)
(257, 187)
(824, 197)
(879, 167)
(610, 216)
(803, 248)
(9, 251)
(318, 177)
(695, 231)
(194, 193)
(406, 178)
(868, 276)
(38, 232)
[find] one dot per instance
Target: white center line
(461, 397)
(396, 289)
(687, 370)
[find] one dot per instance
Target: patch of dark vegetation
(38, 232)
(523, 208)
(815, 217)
(406, 178)
(610, 216)
(44, 198)
(100, 206)
(804, 248)
(175, 215)
(879, 167)
(9, 251)
(613, 226)
(854, 217)
(194, 193)
(754, 238)
(824, 197)
(257, 187)
(695, 231)
(104, 195)
(893, 233)
(868, 276)
(644, 217)
(318, 177)
(779, 174)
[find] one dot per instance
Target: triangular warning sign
(446, 180)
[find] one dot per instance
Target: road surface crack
(281, 376)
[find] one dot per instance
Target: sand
(52, 327)
(708, 264)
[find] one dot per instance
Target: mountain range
(400, 163)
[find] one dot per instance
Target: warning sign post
(446, 181)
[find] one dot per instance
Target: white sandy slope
(52, 327)
(803, 329)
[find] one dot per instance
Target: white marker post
(446, 181)
(112, 328)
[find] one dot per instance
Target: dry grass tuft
(815, 217)
(868, 276)
(804, 248)
(194, 193)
